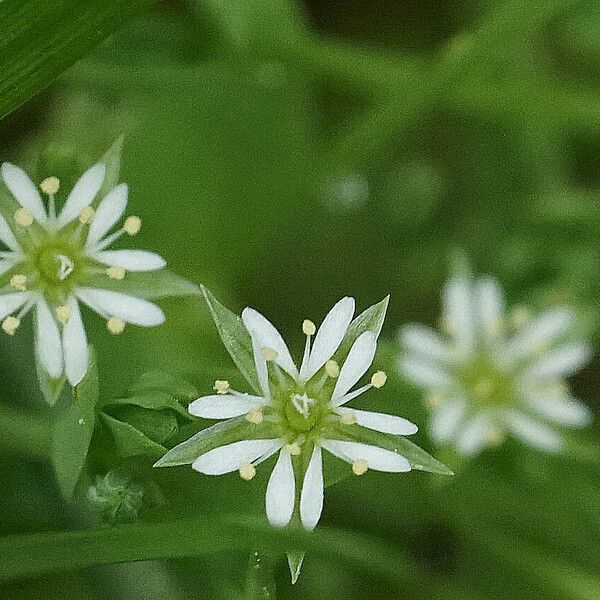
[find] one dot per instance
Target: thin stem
(24, 433)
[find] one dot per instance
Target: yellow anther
(348, 419)
(247, 471)
(519, 316)
(332, 368)
(292, 449)
(221, 386)
(115, 272)
(308, 327)
(115, 325)
(50, 185)
(558, 388)
(132, 225)
(86, 216)
(447, 326)
(360, 467)
(63, 313)
(268, 354)
(495, 326)
(254, 416)
(495, 437)
(378, 380)
(483, 389)
(10, 325)
(542, 347)
(23, 217)
(19, 282)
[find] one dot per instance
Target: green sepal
(161, 381)
(129, 441)
(235, 337)
(149, 285)
(418, 458)
(370, 319)
(73, 431)
(111, 160)
(50, 387)
(151, 400)
(295, 559)
(220, 434)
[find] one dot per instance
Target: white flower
(301, 412)
(53, 263)
(492, 373)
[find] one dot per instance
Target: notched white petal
(131, 260)
(7, 237)
(560, 409)
(109, 211)
(311, 498)
(82, 194)
(446, 419)
(226, 459)
(475, 434)
(562, 362)
(11, 302)
(24, 191)
(533, 433)
(424, 341)
(424, 373)
(75, 346)
(224, 406)
(356, 364)
(376, 458)
(380, 421)
(49, 345)
(281, 492)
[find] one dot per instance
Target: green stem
(32, 555)
(260, 580)
(24, 433)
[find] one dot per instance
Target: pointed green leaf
(370, 319)
(73, 431)
(111, 160)
(220, 434)
(161, 381)
(235, 338)
(149, 285)
(130, 441)
(418, 458)
(151, 400)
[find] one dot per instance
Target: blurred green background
(288, 153)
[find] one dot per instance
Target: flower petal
(267, 336)
(356, 364)
(226, 459)
(381, 421)
(281, 492)
(561, 409)
(475, 434)
(446, 419)
(11, 302)
(424, 372)
(329, 337)
(24, 191)
(109, 211)
(82, 194)
(459, 312)
(131, 260)
(376, 458)
(49, 346)
(7, 237)
(75, 345)
(224, 406)
(561, 362)
(424, 341)
(311, 497)
(490, 303)
(115, 304)
(533, 433)
(543, 329)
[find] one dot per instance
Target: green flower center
(302, 412)
(55, 264)
(487, 383)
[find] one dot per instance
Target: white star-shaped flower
(51, 260)
(301, 412)
(492, 373)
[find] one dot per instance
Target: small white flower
(53, 261)
(490, 373)
(301, 412)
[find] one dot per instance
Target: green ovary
(486, 383)
(302, 413)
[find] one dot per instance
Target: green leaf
(220, 434)
(260, 578)
(151, 400)
(418, 458)
(161, 381)
(111, 159)
(40, 39)
(236, 338)
(73, 431)
(370, 319)
(130, 441)
(150, 285)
